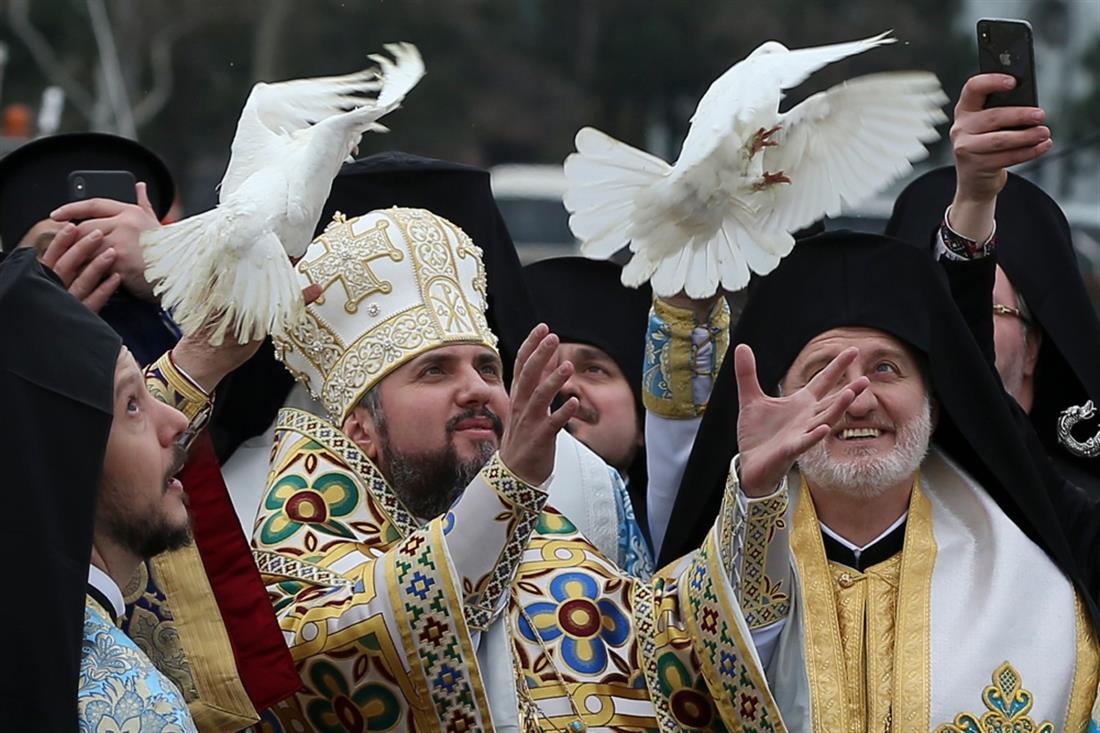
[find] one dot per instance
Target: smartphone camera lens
(78, 185)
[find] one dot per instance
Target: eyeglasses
(1004, 310)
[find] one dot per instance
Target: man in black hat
(1042, 331)
(875, 540)
(34, 207)
(86, 523)
(602, 327)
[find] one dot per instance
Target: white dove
(747, 175)
(291, 140)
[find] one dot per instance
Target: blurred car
(530, 200)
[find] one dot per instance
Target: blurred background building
(510, 81)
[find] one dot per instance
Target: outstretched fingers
(543, 396)
(533, 365)
(744, 369)
(822, 382)
(538, 333)
(835, 405)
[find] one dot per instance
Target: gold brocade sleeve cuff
(169, 384)
(485, 598)
(511, 488)
(680, 352)
(763, 572)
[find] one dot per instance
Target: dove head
(768, 47)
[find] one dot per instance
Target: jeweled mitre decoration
(395, 284)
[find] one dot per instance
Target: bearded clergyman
(909, 562)
(421, 581)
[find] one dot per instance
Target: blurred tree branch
(44, 56)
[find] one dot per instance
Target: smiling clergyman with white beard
(909, 559)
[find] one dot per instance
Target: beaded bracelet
(964, 247)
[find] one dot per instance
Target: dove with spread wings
(747, 175)
(291, 140)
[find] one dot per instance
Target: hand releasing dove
(747, 175)
(291, 139)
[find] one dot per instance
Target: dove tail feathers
(178, 262)
(247, 291)
(260, 293)
(707, 263)
(603, 178)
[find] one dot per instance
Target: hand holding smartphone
(1006, 47)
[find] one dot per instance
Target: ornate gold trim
(824, 654)
(670, 357)
(824, 651)
(1007, 706)
(763, 599)
(223, 704)
(438, 305)
(167, 384)
(334, 440)
(912, 631)
(347, 260)
(1086, 674)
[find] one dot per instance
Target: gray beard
(867, 477)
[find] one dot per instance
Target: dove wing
(398, 76)
(274, 111)
(844, 145)
(752, 85)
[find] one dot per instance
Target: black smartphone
(117, 185)
(1006, 47)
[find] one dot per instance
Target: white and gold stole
(970, 629)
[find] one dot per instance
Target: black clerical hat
(1035, 249)
(850, 279)
(584, 301)
(57, 367)
(34, 176)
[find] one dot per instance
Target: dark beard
(142, 536)
(146, 539)
(429, 483)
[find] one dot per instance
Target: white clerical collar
(108, 587)
(856, 549)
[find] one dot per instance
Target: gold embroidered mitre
(395, 284)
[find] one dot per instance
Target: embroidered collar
(883, 547)
(334, 440)
(106, 592)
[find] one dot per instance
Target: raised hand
(528, 445)
(985, 142)
(86, 274)
(772, 432)
(121, 225)
(208, 365)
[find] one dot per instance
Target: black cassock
(57, 367)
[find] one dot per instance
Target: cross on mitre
(347, 259)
